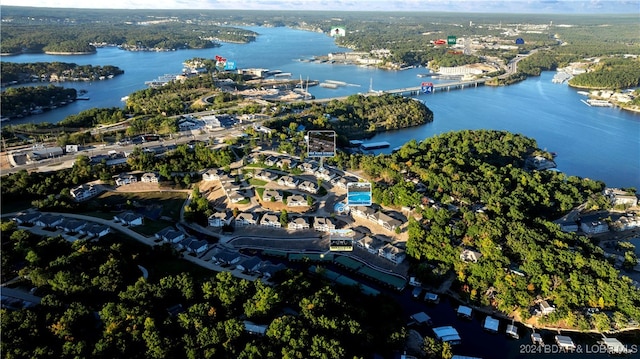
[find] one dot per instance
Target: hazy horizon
(477, 6)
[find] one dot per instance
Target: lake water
(599, 143)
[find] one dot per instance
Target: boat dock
(374, 145)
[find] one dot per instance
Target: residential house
(270, 220)
(363, 212)
(230, 186)
(263, 129)
(212, 174)
(271, 195)
(253, 328)
(625, 223)
(546, 308)
(298, 223)
(621, 197)
(265, 175)
(342, 182)
(225, 257)
(249, 264)
(323, 224)
(236, 196)
(469, 255)
(150, 177)
(170, 235)
(387, 222)
(95, 230)
(84, 192)
(594, 227)
(567, 224)
(371, 244)
(296, 200)
(308, 186)
(220, 219)
(246, 219)
(225, 178)
(129, 218)
(194, 245)
(48, 220)
(286, 163)
(392, 253)
(308, 167)
(268, 270)
(271, 160)
(27, 218)
(125, 179)
(288, 181)
(324, 174)
(71, 225)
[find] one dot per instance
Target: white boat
(512, 331)
(124, 99)
(583, 93)
(328, 85)
(565, 342)
(536, 338)
(599, 103)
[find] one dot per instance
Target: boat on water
(447, 334)
(583, 93)
(565, 342)
(536, 338)
(420, 319)
(597, 103)
(431, 298)
(339, 83)
(328, 85)
(124, 98)
(464, 312)
(491, 324)
(512, 331)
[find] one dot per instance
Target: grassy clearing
(151, 227)
(257, 182)
(167, 203)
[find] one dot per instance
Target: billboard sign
(359, 194)
(338, 31)
(427, 87)
(220, 62)
(321, 143)
(341, 240)
(230, 66)
(452, 40)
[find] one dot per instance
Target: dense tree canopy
(95, 305)
(476, 193)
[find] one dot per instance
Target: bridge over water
(412, 91)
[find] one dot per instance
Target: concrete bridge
(411, 91)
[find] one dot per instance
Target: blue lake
(599, 143)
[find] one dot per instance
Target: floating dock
(374, 145)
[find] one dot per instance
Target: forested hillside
(95, 303)
(487, 201)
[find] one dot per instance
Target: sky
(486, 6)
